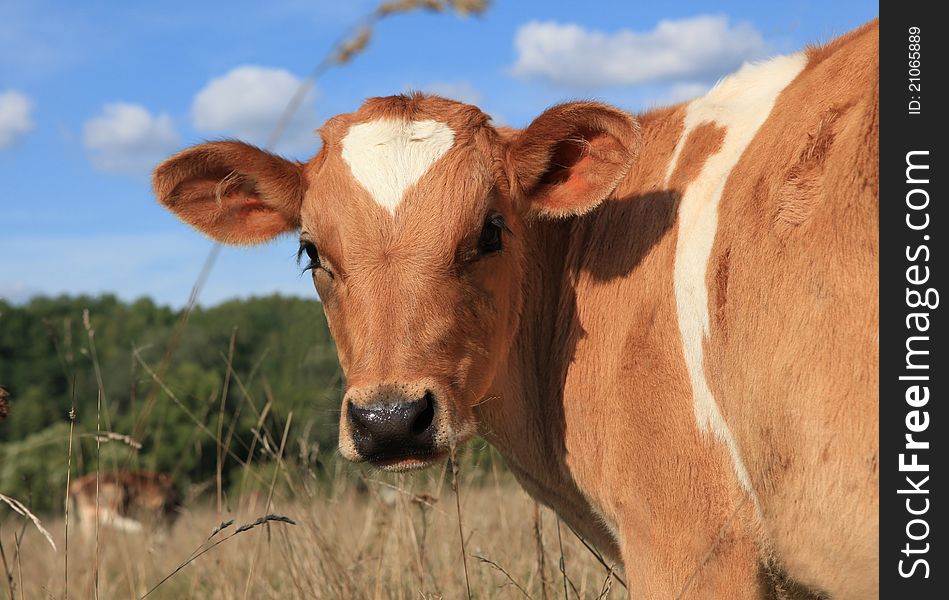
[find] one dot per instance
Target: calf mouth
(408, 462)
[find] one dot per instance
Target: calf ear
(231, 191)
(572, 157)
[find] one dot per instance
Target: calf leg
(691, 531)
(117, 521)
(683, 561)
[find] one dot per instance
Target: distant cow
(4, 403)
(127, 500)
(666, 323)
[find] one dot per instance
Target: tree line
(167, 391)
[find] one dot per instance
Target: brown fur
(235, 193)
(703, 141)
(571, 157)
(4, 403)
(807, 390)
(126, 500)
(564, 351)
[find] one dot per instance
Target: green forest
(165, 384)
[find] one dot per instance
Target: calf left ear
(231, 191)
(572, 157)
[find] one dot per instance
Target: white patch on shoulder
(740, 104)
(387, 156)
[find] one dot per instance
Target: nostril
(425, 417)
(357, 416)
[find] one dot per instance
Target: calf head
(413, 220)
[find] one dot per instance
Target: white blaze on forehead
(387, 156)
(740, 104)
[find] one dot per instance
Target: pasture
(221, 417)
(363, 536)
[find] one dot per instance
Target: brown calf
(4, 403)
(667, 323)
(127, 501)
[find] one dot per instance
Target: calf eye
(313, 257)
(490, 240)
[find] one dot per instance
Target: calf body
(666, 324)
(711, 401)
(124, 500)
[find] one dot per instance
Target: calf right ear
(572, 157)
(233, 192)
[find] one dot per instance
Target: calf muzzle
(394, 429)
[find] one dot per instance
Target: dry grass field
(382, 536)
(281, 520)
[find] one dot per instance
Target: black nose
(393, 430)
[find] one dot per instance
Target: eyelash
(491, 240)
(313, 258)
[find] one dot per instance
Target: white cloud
(462, 91)
(127, 138)
(16, 116)
(248, 102)
(698, 48)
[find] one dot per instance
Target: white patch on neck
(388, 156)
(740, 104)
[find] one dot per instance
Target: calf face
(414, 221)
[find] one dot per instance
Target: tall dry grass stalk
(504, 572)
(207, 546)
(541, 557)
(610, 568)
(65, 358)
(7, 569)
(91, 335)
(20, 509)
(104, 437)
(563, 561)
(95, 566)
(453, 466)
(278, 464)
(357, 537)
(72, 428)
(219, 472)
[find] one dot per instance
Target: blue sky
(93, 94)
